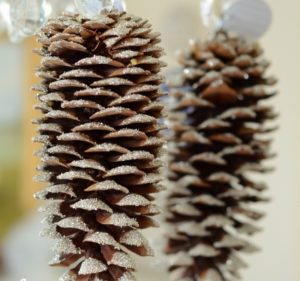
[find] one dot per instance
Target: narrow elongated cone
(218, 122)
(100, 128)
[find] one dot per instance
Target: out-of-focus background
(178, 21)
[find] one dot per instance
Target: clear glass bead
(2, 22)
(4, 15)
(92, 8)
(210, 11)
(59, 6)
(27, 16)
(120, 5)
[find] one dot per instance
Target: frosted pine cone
(99, 126)
(219, 122)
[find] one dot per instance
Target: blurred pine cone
(99, 99)
(218, 123)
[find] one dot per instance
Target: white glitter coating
(192, 229)
(126, 54)
(127, 133)
(138, 119)
(67, 83)
(207, 199)
(115, 81)
(56, 260)
(75, 175)
(102, 238)
(208, 157)
(136, 239)
(79, 73)
(127, 276)
(181, 259)
(98, 60)
(134, 155)
(41, 139)
(141, 89)
(74, 223)
(124, 170)
(130, 71)
(133, 200)
(106, 186)
(203, 250)
(91, 266)
(74, 104)
(96, 92)
(58, 97)
(58, 114)
(66, 246)
(54, 62)
(87, 164)
(107, 147)
(121, 220)
(135, 98)
(93, 126)
(92, 205)
(66, 277)
(132, 42)
(63, 149)
(49, 127)
(44, 177)
(185, 209)
(50, 232)
(216, 221)
(75, 137)
(61, 188)
(53, 208)
(121, 259)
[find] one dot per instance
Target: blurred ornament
(228, 3)
(92, 8)
(26, 17)
(249, 18)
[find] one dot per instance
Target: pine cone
(218, 121)
(99, 99)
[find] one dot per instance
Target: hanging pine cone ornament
(218, 122)
(100, 130)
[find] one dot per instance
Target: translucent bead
(92, 8)
(27, 16)
(120, 5)
(210, 12)
(59, 6)
(3, 23)
(249, 18)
